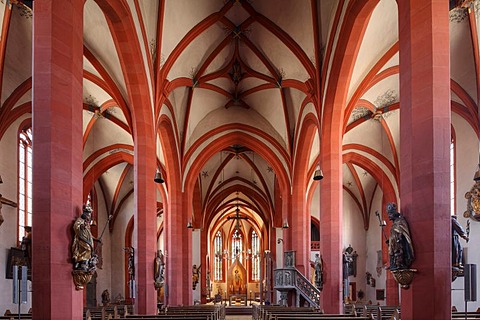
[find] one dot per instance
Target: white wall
(196, 248)
(375, 240)
(104, 279)
(8, 230)
(466, 165)
(354, 235)
(117, 275)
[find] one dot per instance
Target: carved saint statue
(457, 250)
(84, 257)
(159, 268)
(195, 275)
(318, 266)
(400, 246)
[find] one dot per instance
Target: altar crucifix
(237, 217)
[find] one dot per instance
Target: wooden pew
(386, 312)
(260, 312)
(10, 315)
(318, 316)
(169, 317)
(217, 312)
(299, 313)
(470, 314)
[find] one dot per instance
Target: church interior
(158, 153)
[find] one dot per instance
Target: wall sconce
(158, 177)
(285, 224)
(318, 175)
(189, 225)
(279, 240)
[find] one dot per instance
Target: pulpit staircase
(290, 279)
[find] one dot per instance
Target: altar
(238, 300)
(237, 280)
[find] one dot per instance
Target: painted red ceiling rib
(3, 40)
(236, 137)
(462, 111)
(113, 90)
(282, 36)
(120, 182)
(358, 183)
(465, 97)
(101, 166)
(10, 102)
(260, 177)
(368, 81)
(237, 127)
(164, 117)
(145, 40)
(157, 65)
(357, 202)
(116, 212)
(14, 115)
(379, 156)
(200, 72)
(186, 120)
(87, 162)
(286, 118)
(476, 52)
(215, 206)
(216, 174)
(190, 37)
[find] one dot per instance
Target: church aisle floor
(234, 317)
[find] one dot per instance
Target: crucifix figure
(237, 217)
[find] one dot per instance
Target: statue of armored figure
(400, 246)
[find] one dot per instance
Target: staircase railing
(291, 279)
(308, 290)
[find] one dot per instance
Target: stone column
(331, 227)
(179, 245)
(425, 154)
(57, 155)
(145, 226)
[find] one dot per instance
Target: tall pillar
(57, 155)
(145, 226)
(299, 229)
(425, 154)
(331, 229)
(204, 261)
(179, 245)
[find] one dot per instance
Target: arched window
(217, 265)
(237, 245)
(255, 257)
(24, 181)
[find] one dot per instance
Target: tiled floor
(238, 317)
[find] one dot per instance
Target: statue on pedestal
(195, 275)
(457, 250)
(84, 253)
(159, 267)
(400, 246)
